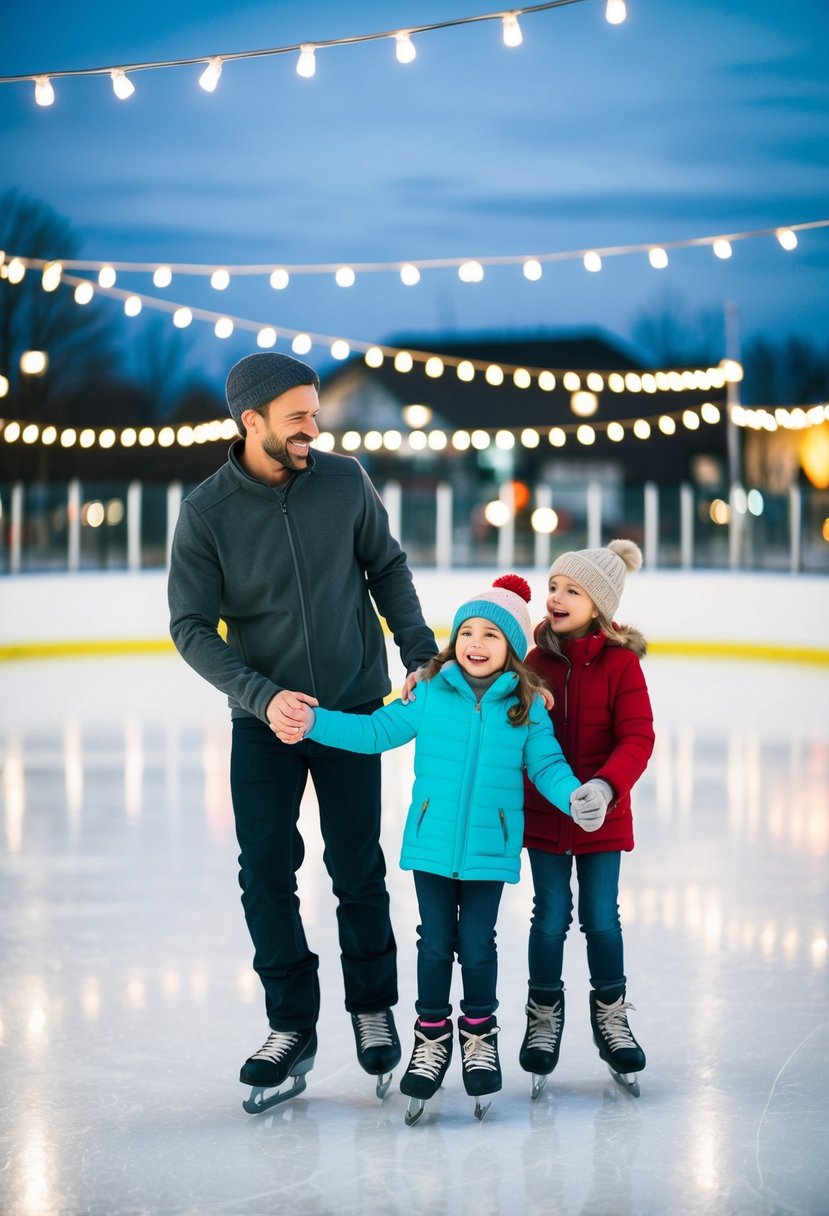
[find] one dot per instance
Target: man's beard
(279, 451)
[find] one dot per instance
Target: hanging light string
(403, 360)
(436, 440)
(123, 87)
(468, 268)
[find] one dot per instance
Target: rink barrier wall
(719, 614)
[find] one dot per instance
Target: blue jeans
(598, 875)
(267, 780)
(456, 918)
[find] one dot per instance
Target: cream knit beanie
(601, 572)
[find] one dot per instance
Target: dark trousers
(598, 875)
(456, 918)
(267, 779)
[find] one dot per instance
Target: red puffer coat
(603, 720)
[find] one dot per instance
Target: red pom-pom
(514, 582)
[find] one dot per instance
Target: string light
(106, 276)
(210, 76)
(511, 30)
(410, 272)
(220, 280)
(345, 277)
(404, 47)
(615, 12)
(122, 86)
(307, 62)
(44, 93)
(306, 66)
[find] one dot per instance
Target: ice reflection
(73, 771)
(36, 1174)
(14, 792)
(133, 765)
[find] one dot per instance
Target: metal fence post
(686, 525)
(392, 500)
(795, 530)
(651, 509)
(541, 544)
(443, 526)
(16, 537)
(174, 490)
(594, 515)
(506, 533)
(73, 522)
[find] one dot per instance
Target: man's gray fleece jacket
(291, 571)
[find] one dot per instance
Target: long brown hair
(526, 690)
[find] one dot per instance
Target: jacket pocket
(422, 815)
(504, 826)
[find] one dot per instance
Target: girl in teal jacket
(479, 721)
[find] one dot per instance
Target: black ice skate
(612, 1035)
(378, 1047)
(427, 1067)
(285, 1053)
(542, 1039)
(481, 1066)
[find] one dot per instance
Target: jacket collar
(253, 484)
(503, 687)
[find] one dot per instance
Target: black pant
(267, 779)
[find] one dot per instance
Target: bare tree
(77, 339)
(675, 336)
(791, 371)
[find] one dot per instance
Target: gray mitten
(588, 804)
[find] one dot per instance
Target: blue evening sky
(694, 117)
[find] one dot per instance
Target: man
(286, 547)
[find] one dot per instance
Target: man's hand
(407, 692)
(288, 715)
(548, 698)
(588, 804)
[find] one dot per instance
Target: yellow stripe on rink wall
(751, 651)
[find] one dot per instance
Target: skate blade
(257, 1102)
(539, 1081)
(480, 1111)
(383, 1083)
(414, 1110)
(627, 1080)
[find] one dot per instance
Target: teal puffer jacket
(466, 818)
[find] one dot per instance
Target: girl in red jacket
(603, 721)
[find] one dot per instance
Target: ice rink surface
(127, 1001)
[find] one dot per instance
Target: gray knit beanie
(601, 572)
(506, 606)
(258, 379)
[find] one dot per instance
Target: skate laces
(374, 1030)
(277, 1045)
(478, 1052)
(429, 1055)
(613, 1023)
(544, 1025)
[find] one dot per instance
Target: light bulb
(532, 270)
(122, 86)
(471, 272)
(307, 64)
(615, 12)
(219, 280)
(722, 249)
(592, 261)
(84, 293)
(210, 76)
(44, 93)
(787, 238)
(106, 276)
(345, 277)
(511, 30)
(409, 275)
(162, 276)
(404, 47)
(279, 280)
(658, 258)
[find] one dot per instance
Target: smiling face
(570, 610)
(480, 647)
(279, 439)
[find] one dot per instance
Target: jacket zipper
(303, 614)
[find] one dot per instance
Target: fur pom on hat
(601, 572)
(506, 606)
(257, 379)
